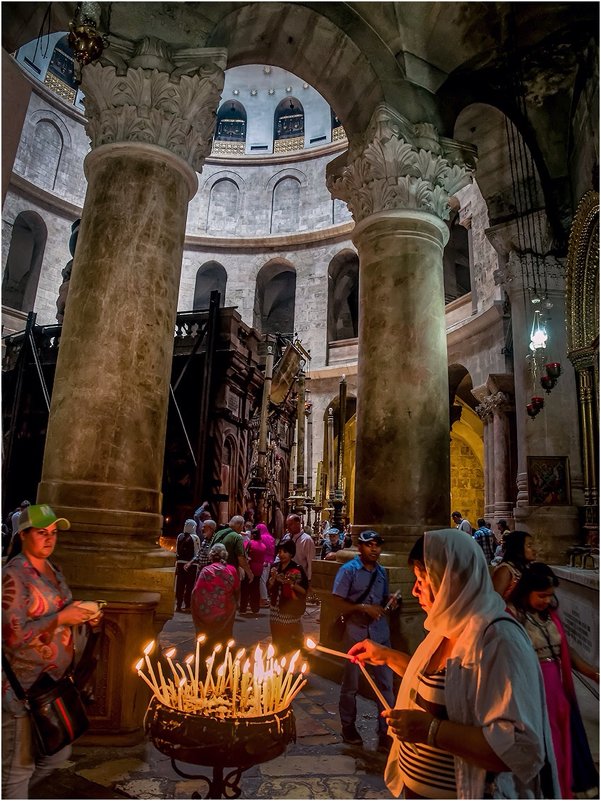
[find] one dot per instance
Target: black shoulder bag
(58, 716)
(338, 627)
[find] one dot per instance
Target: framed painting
(548, 481)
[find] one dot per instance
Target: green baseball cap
(41, 516)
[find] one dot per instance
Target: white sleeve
(512, 713)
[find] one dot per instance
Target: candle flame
(258, 653)
(218, 647)
(201, 638)
(283, 661)
(246, 666)
(139, 664)
(304, 668)
(149, 647)
(170, 653)
(230, 643)
(189, 659)
(310, 643)
(221, 670)
(239, 655)
(270, 651)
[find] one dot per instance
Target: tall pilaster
(494, 409)
(150, 116)
(554, 432)
(397, 182)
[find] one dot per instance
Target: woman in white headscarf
(470, 719)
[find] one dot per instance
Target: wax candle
(169, 656)
(147, 651)
(312, 645)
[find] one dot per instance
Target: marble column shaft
(397, 180)
(105, 444)
(402, 461)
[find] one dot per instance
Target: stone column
(397, 182)
(485, 413)
(554, 432)
(150, 117)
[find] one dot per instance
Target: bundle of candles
(241, 686)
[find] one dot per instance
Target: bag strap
(364, 595)
(9, 673)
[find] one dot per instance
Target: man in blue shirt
(361, 596)
(485, 539)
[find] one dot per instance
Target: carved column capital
(146, 93)
(494, 404)
(398, 165)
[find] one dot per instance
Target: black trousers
(250, 593)
(184, 583)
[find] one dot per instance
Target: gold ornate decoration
(582, 289)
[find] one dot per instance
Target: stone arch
(224, 202)
(275, 296)
(46, 150)
(24, 262)
(256, 33)
(486, 127)
(350, 445)
(343, 296)
(210, 276)
(55, 119)
(285, 206)
(466, 446)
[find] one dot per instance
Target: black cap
(370, 536)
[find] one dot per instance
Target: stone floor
(318, 765)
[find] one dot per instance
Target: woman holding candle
(287, 587)
(215, 598)
(38, 616)
(472, 698)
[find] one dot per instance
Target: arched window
(60, 76)
(289, 119)
(210, 276)
(231, 122)
(45, 154)
(343, 297)
(338, 132)
(24, 262)
(456, 261)
(274, 299)
(223, 207)
(288, 126)
(285, 206)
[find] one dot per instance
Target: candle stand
(218, 742)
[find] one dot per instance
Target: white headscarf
(458, 573)
(465, 602)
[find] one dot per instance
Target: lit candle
(297, 691)
(312, 645)
(147, 651)
(169, 656)
(138, 669)
(199, 641)
(188, 662)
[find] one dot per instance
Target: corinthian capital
(399, 165)
(144, 92)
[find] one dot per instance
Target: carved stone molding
(146, 93)
(398, 165)
(514, 275)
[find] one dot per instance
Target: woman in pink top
(269, 543)
(250, 590)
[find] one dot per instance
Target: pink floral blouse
(32, 641)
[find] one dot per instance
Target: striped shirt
(428, 772)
